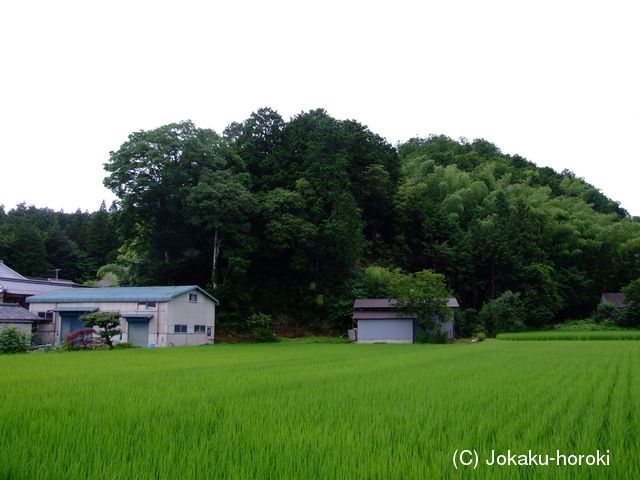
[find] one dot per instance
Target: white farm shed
(377, 321)
(161, 316)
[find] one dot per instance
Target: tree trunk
(216, 251)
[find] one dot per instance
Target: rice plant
(572, 335)
(303, 411)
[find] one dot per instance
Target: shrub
(605, 311)
(441, 337)
(259, 320)
(504, 314)
(421, 337)
(264, 335)
(81, 339)
(14, 340)
(430, 337)
(586, 325)
(123, 345)
(481, 336)
(629, 317)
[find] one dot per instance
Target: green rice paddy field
(323, 411)
(572, 335)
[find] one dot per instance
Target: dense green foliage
(14, 340)
(630, 316)
(424, 294)
(588, 324)
(503, 314)
(605, 311)
(284, 411)
(35, 241)
(297, 218)
(263, 335)
(426, 336)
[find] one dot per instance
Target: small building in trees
(161, 316)
(616, 298)
(376, 320)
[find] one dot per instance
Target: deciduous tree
(424, 294)
(153, 174)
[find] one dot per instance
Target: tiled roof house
(12, 314)
(15, 288)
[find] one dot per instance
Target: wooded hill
(285, 218)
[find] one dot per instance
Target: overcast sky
(554, 81)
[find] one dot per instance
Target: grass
(572, 335)
(305, 411)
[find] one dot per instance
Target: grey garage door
(139, 334)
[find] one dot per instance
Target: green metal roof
(116, 294)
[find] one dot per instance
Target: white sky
(554, 81)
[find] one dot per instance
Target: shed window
(146, 305)
(179, 329)
(193, 297)
(199, 329)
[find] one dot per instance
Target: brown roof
(386, 303)
(616, 298)
(382, 315)
(373, 303)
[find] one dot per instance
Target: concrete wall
(24, 327)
